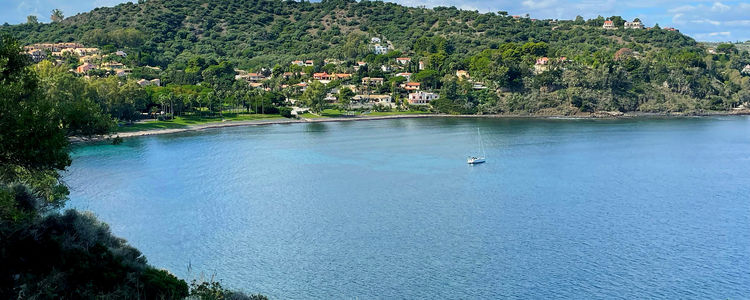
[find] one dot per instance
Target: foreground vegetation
(46, 253)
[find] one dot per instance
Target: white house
(403, 60)
(406, 75)
(422, 98)
(746, 70)
(378, 49)
(375, 40)
(609, 25)
(636, 24)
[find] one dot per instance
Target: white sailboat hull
(475, 160)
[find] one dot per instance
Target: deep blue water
(582, 209)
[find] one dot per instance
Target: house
(406, 75)
(372, 81)
(37, 55)
(609, 25)
(321, 76)
(85, 68)
(331, 61)
(746, 70)
(144, 82)
(255, 77)
(422, 98)
(378, 49)
(298, 63)
(302, 86)
(421, 65)
(123, 72)
(462, 74)
(403, 60)
(367, 101)
(636, 24)
(359, 65)
(113, 66)
(121, 53)
(331, 98)
(411, 86)
(385, 68)
(375, 40)
(309, 63)
(341, 76)
(671, 29)
(256, 85)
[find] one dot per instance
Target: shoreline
(592, 116)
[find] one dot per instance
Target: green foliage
(45, 254)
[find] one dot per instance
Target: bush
(285, 112)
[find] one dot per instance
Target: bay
(633, 208)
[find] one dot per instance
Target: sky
(727, 20)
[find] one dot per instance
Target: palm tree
(32, 19)
(57, 15)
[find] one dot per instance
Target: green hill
(653, 70)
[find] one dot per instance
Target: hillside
(653, 70)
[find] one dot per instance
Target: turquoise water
(582, 209)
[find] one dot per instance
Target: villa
(403, 60)
(746, 70)
(406, 75)
(85, 68)
(462, 74)
(372, 81)
(636, 24)
(609, 25)
(411, 86)
(422, 98)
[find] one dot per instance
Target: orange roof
(412, 84)
(608, 22)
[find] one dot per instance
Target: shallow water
(644, 208)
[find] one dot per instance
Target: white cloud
(719, 7)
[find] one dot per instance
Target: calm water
(580, 209)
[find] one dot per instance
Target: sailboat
(473, 160)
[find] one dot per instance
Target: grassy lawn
(185, 121)
(334, 113)
(396, 113)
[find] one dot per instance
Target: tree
(314, 96)
(345, 97)
(32, 19)
(57, 15)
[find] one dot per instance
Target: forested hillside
(650, 70)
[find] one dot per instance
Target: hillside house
(636, 24)
(121, 53)
(85, 68)
(422, 98)
(746, 70)
(255, 77)
(403, 60)
(154, 82)
(37, 55)
(359, 65)
(372, 81)
(411, 86)
(406, 75)
(321, 76)
(421, 65)
(113, 66)
(375, 40)
(609, 25)
(379, 49)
